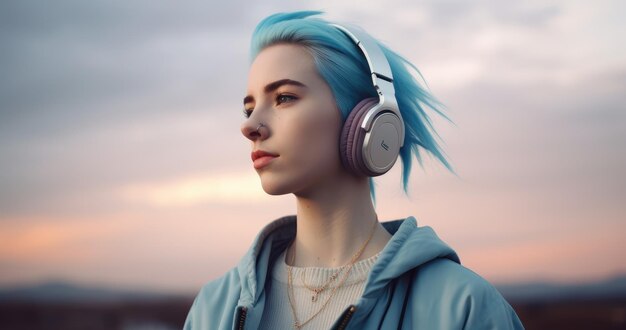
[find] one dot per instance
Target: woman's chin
(301, 183)
(274, 189)
(275, 192)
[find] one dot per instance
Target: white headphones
(373, 133)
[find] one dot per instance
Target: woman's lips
(263, 161)
(261, 158)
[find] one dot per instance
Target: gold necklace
(297, 324)
(317, 290)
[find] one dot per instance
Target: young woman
(325, 107)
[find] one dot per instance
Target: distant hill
(614, 288)
(58, 291)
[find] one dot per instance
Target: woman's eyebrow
(274, 86)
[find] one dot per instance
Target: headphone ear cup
(381, 144)
(352, 136)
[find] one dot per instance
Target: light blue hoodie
(416, 283)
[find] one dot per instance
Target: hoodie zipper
(241, 318)
(346, 318)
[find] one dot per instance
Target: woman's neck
(333, 224)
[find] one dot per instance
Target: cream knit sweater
(278, 313)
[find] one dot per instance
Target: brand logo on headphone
(382, 144)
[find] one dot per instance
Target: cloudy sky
(121, 155)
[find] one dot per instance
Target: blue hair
(344, 68)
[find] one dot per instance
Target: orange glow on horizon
(196, 189)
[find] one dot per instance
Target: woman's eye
(247, 113)
(282, 98)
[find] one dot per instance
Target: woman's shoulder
(468, 297)
(452, 275)
(445, 279)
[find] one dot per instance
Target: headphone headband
(382, 78)
(376, 60)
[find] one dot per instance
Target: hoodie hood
(409, 248)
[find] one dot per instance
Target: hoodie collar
(255, 266)
(409, 247)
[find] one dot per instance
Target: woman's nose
(254, 129)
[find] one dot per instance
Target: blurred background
(125, 183)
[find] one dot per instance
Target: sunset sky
(122, 161)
